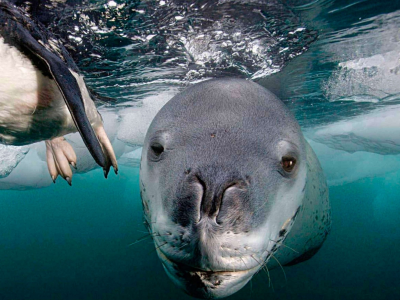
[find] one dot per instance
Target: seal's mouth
(206, 284)
(190, 269)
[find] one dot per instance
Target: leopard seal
(229, 185)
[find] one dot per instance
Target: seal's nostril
(233, 200)
(201, 185)
(199, 180)
(223, 188)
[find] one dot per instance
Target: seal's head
(222, 178)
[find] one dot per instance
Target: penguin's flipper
(34, 40)
(71, 92)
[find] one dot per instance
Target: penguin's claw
(106, 170)
(60, 155)
(108, 151)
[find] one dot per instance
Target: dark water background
(73, 243)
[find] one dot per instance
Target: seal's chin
(206, 284)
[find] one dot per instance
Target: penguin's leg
(60, 155)
(107, 149)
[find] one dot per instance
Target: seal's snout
(219, 194)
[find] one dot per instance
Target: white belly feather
(31, 105)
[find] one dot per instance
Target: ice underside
(364, 146)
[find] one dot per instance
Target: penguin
(43, 96)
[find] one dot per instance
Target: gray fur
(217, 199)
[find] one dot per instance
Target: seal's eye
(288, 163)
(157, 149)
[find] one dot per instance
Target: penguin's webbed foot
(108, 150)
(60, 155)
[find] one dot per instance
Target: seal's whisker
(265, 267)
(184, 245)
(240, 257)
(157, 234)
(140, 240)
(244, 262)
(152, 233)
(159, 246)
(270, 284)
(284, 246)
(262, 265)
(146, 237)
(284, 273)
(258, 271)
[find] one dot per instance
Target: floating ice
(341, 167)
(365, 146)
(10, 156)
(358, 98)
(136, 120)
(30, 173)
(370, 64)
(376, 132)
(374, 77)
(131, 158)
(127, 130)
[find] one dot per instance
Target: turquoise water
(61, 242)
(72, 243)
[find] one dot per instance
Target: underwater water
(336, 64)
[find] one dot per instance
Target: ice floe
(136, 120)
(364, 146)
(10, 156)
(341, 167)
(30, 173)
(368, 65)
(365, 79)
(376, 132)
